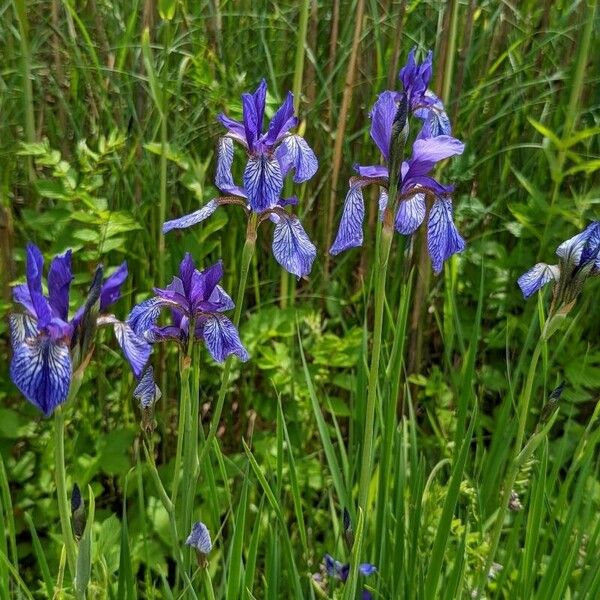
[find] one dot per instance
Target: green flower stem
(514, 464)
(381, 265)
(247, 254)
(61, 489)
(170, 508)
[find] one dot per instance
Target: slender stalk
(380, 277)
(61, 489)
(513, 469)
(170, 508)
(247, 254)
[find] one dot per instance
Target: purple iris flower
(423, 103)
(199, 538)
(340, 571)
(48, 347)
(419, 194)
(192, 298)
(272, 155)
(579, 257)
(417, 189)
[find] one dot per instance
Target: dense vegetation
(108, 127)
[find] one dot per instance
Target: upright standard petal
(111, 288)
(41, 369)
(410, 214)
(204, 283)
(283, 120)
(143, 317)
(21, 328)
(59, 283)
(34, 268)
(136, 349)
(221, 338)
(537, 277)
(253, 107)
(147, 393)
(382, 118)
(350, 231)
(292, 248)
(193, 218)
(443, 239)
(301, 158)
(263, 182)
(199, 538)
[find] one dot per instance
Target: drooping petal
(410, 214)
(193, 218)
(111, 288)
(591, 250)
(283, 120)
(350, 231)
(372, 171)
(136, 349)
(41, 369)
(147, 393)
(144, 315)
(292, 248)
(301, 158)
(537, 277)
(263, 182)
(21, 328)
(383, 201)
(443, 239)
(235, 129)
(221, 338)
(253, 107)
(581, 247)
(59, 283)
(382, 118)
(199, 538)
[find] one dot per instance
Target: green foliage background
(108, 125)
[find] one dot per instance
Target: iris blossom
(272, 155)
(48, 347)
(340, 571)
(199, 538)
(423, 103)
(579, 257)
(195, 301)
(417, 189)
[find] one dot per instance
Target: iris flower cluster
(579, 258)
(271, 156)
(419, 195)
(48, 347)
